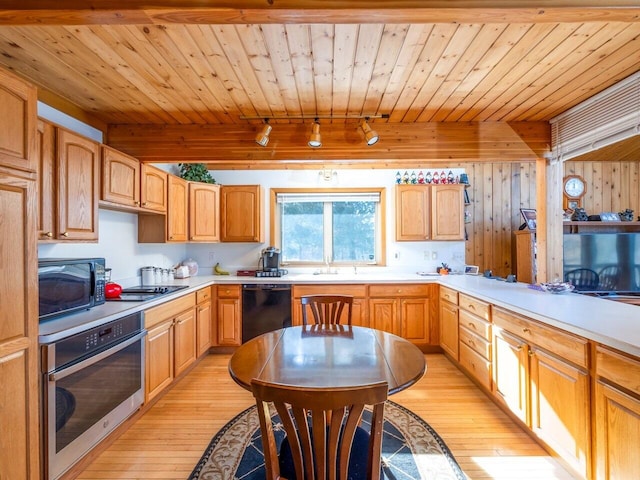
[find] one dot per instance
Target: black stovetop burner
(145, 292)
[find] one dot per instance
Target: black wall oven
(93, 381)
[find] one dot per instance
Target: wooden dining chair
(326, 309)
(583, 279)
(323, 437)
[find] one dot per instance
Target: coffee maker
(269, 264)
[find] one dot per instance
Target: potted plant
(444, 269)
(195, 172)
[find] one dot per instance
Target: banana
(219, 271)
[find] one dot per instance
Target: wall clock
(573, 189)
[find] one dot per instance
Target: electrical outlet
(212, 257)
(396, 255)
(434, 255)
(427, 255)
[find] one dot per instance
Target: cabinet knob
(526, 330)
(472, 325)
(531, 353)
(519, 347)
(48, 234)
(144, 204)
(65, 234)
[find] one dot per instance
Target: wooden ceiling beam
(144, 12)
(233, 146)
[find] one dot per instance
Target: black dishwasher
(265, 307)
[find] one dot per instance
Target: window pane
(354, 231)
(302, 232)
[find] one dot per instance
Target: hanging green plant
(195, 172)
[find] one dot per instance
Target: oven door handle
(55, 376)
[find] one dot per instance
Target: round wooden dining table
(316, 356)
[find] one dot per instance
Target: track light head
(315, 139)
(262, 138)
(370, 135)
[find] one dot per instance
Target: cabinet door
(510, 373)
(78, 161)
(447, 212)
(159, 359)
(46, 148)
(120, 178)
(383, 314)
(560, 408)
(241, 213)
(229, 333)
(153, 188)
(18, 123)
(204, 216)
(412, 212)
(203, 320)
(449, 328)
(19, 372)
(359, 315)
(185, 340)
(177, 209)
(415, 324)
(617, 433)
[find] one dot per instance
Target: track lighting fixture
(315, 140)
(262, 138)
(370, 135)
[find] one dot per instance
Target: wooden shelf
(600, 227)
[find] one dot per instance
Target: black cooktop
(144, 293)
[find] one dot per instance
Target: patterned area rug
(411, 449)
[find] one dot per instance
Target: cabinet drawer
(203, 295)
(475, 324)
(167, 310)
(398, 290)
(229, 291)
(475, 306)
(568, 346)
(449, 295)
(618, 368)
(355, 290)
(476, 365)
(475, 342)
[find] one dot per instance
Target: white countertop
(615, 324)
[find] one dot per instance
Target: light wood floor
(169, 439)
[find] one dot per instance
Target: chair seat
(357, 459)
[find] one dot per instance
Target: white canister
(148, 275)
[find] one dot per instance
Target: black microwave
(67, 285)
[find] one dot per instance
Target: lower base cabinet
(228, 316)
(204, 326)
(170, 343)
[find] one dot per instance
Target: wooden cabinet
(448, 309)
(130, 184)
(46, 152)
(241, 217)
(172, 227)
(617, 419)
(203, 320)
(19, 352)
(18, 105)
(430, 212)
(412, 212)
(78, 169)
(204, 212)
(541, 375)
(447, 212)
(170, 343)
(359, 314)
(526, 255)
(19, 368)
(474, 320)
(228, 316)
(404, 310)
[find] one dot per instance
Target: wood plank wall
(611, 186)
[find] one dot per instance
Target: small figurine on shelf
(450, 177)
(626, 215)
(405, 177)
(443, 177)
(420, 177)
(436, 178)
(444, 269)
(414, 179)
(398, 178)
(427, 178)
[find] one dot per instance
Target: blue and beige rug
(411, 449)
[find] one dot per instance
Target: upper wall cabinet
(128, 183)
(430, 212)
(241, 218)
(172, 227)
(204, 212)
(17, 123)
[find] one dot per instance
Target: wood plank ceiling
(198, 74)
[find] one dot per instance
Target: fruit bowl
(557, 287)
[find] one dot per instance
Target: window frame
(381, 249)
